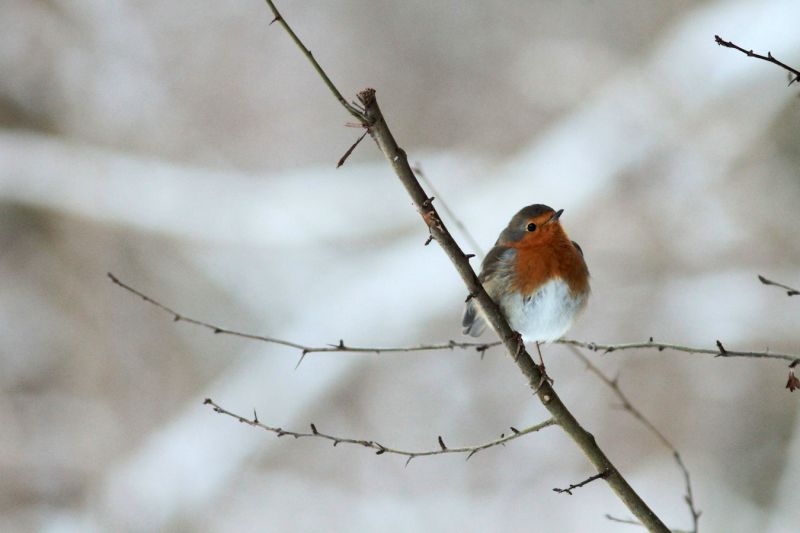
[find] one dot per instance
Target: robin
(536, 275)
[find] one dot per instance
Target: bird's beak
(555, 216)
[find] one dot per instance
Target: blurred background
(189, 148)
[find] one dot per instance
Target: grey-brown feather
(495, 271)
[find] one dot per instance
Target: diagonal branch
(769, 57)
(379, 130)
(378, 447)
(789, 291)
(536, 380)
(306, 52)
(613, 384)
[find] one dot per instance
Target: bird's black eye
(531, 227)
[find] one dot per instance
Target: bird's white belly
(547, 314)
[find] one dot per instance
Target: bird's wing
(473, 324)
(495, 267)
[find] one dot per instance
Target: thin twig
(351, 109)
(660, 346)
(586, 481)
(379, 448)
(613, 384)
(460, 225)
(789, 291)
(624, 521)
(480, 347)
(769, 57)
(340, 347)
(350, 150)
(635, 523)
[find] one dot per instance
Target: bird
(536, 275)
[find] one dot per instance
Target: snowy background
(190, 149)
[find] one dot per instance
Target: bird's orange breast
(537, 264)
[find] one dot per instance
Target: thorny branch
(480, 347)
(789, 291)
(340, 347)
(769, 57)
(613, 384)
(586, 481)
(370, 117)
(379, 448)
(397, 158)
(357, 113)
(721, 351)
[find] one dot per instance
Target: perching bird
(536, 275)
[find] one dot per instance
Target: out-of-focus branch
(789, 291)
(769, 57)
(379, 448)
(613, 384)
(460, 225)
(635, 523)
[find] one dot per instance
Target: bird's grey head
(517, 228)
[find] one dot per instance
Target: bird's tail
(472, 320)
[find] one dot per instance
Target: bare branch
(340, 347)
(624, 521)
(769, 57)
(689, 496)
(350, 150)
(373, 118)
(584, 440)
(306, 52)
(613, 384)
(480, 347)
(789, 291)
(586, 481)
(379, 448)
(660, 346)
(635, 523)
